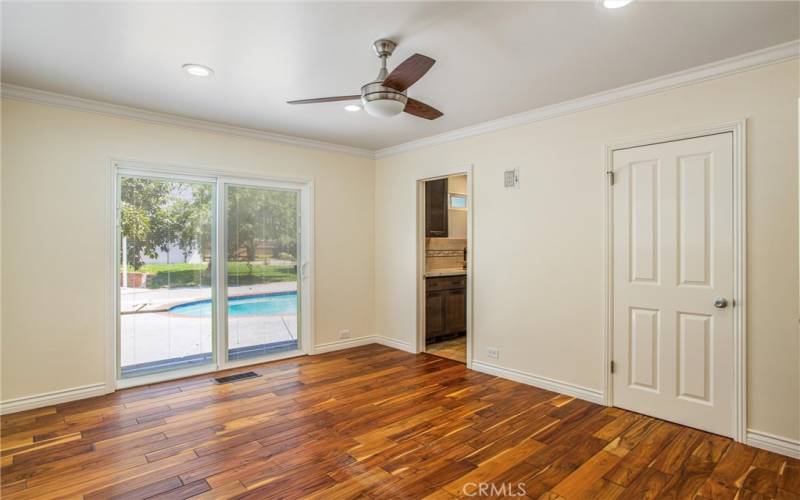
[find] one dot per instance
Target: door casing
(420, 281)
(738, 129)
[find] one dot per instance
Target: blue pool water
(268, 304)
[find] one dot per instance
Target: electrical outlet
(344, 334)
(493, 352)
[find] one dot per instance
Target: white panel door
(673, 259)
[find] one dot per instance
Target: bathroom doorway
(445, 257)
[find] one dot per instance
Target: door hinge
(610, 174)
(613, 368)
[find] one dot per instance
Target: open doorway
(444, 266)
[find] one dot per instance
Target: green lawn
(239, 273)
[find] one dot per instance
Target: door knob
(720, 303)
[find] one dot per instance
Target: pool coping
(168, 306)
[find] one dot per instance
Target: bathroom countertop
(435, 273)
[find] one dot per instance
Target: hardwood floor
(370, 422)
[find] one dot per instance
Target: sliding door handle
(304, 270)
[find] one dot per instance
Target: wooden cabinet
(445, 306)
(436, 208)
(434, 314)
(455, 311)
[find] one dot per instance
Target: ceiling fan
(386, 95)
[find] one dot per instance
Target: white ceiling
(493, 59)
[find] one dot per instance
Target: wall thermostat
(511, 178)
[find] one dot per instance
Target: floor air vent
(234, 378)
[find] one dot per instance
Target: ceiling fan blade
(419, 108)
(408, 72)
(326, 99)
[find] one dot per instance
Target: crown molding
(724, 67)
(27, 94)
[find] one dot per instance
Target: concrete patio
(149, 332)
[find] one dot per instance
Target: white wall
(55, 182)
(538, 250)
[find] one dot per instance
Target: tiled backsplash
(444, 253)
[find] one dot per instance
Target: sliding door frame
(220, 179)
(148, 173)
(302, 269)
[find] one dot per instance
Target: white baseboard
(52, 398)
(591, 395)
(367, 339)
(344, 344)
(773, 443)
(92, 390)
(395, 343)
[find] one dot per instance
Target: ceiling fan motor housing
(379, 100)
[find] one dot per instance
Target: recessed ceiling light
(198, 70)
(615, 4)
(352, 108)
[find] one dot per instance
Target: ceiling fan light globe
(615, 4)
(384, 108)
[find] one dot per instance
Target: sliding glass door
(166, 274)
(261, 243)
(178, 313)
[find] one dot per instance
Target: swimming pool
(265, 304)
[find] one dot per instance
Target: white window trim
(221, 178)
(450, 201)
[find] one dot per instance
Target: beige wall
(457, 219)
(457, 184)
(538, 250)
(55, 182)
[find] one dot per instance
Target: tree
(259, 216)
(142, 212)
(191, 220)
(156, 214)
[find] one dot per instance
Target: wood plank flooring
(370, 422)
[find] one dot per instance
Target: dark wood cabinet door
(434, 314)
(436, 208)
(455, 308)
